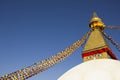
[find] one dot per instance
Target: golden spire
(96, 46)
(96, 22)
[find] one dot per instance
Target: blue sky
(32, 30)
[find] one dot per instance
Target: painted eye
(98, 54)
(90, 57)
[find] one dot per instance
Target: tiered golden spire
(96, 46)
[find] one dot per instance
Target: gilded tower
(96, 46)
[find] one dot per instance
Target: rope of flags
(41, 66)
(112, 41)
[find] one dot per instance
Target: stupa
(99, 62)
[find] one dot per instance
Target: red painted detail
(112, 55)
(99, 52)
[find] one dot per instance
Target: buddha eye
(90, 57)
(98, 55)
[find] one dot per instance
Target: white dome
(100, 69)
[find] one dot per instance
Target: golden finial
(96, 22)
(95, 18)
(94, 14)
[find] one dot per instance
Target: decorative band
(99, 52)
